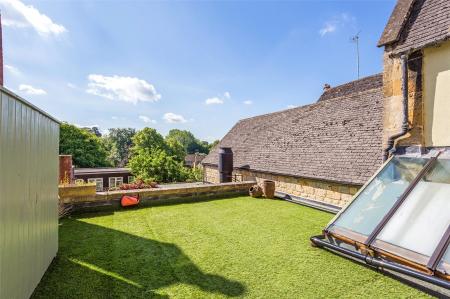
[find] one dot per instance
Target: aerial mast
(355, 39)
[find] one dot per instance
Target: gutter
(379, 263)
(329, 208)
(392, 140)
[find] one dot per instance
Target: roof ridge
(345, 89)
(319, 101)
(396, 22)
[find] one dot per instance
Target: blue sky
(199, 66)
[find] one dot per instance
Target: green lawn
(222, 248)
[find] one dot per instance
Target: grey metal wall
(29, 141)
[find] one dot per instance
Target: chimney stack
(326, 87)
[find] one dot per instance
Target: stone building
(327, 150)
(417, 34)
(324, 151)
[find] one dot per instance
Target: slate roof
(338, 138)
(190, 159)
(417, 24)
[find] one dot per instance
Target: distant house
(194, 160)
(105, 178)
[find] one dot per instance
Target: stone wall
(392, 89)
(322, 191)
(168, 193)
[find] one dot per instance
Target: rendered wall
(322, 191)
(29, 195)
(436, 78)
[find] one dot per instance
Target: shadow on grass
(98, 262)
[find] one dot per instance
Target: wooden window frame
(96, 181)
(116, 178)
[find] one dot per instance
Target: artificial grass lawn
(232, 247)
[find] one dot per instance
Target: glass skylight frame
(430, 264)
(353, 237)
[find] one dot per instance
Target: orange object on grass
(129, 201)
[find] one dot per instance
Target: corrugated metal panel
(29, 141)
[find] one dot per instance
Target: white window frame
(98, 182)
(115, 181)
(131, 179)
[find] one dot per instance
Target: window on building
(131, 179)
(115, 182)
(98, 182)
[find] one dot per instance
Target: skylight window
(361, 217)
(401, 217)
(444, 265)
(417, 227)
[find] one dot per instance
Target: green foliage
(119, 142)
(188, 141)
(148, 139)
(87, 149)
(157, 165)
(194, 174)
(155, 159)
(176, 149)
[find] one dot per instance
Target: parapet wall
(167, 193)
(322, 191)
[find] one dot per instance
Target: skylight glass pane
(421, 221)
(366, 211)
(444, 266)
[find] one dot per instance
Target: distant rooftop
(338, 138)
(104, 170)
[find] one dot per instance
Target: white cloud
(127, 89)
(147, 119)
(248, 102)
(336, 22)
(12, 70)
(71, 85)
(227, 95)
(173, 118)
(21, 15)
(328, 28)
(28, 89)
(114, 118)
(291, 106)
(214, 101)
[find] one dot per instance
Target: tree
(213, 144)
(188, 141)
(176, 149)
(93, 130)
(157, 166)
(148, 139)
(87, 150)
(119, 142)
(153, 158)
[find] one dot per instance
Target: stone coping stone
(111, 199)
